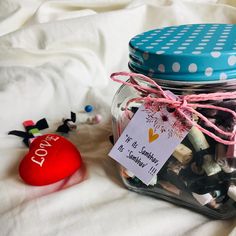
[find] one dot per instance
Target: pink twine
(186, 101)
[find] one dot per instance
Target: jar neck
(184, 88)
(181, 88)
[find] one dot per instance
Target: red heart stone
(50, 158)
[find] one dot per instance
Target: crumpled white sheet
(56, 57)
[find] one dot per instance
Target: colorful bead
(31, 129)
(88, 108)
(97, 119)
(34, 131)
(28, 123)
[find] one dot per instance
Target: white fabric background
(55, 57)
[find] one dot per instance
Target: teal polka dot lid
(194, 53)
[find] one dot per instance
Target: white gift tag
(149, 140)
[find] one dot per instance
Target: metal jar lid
(198, 53)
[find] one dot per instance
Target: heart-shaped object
(50, 158)
(152, 136)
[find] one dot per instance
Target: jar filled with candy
(181, 95)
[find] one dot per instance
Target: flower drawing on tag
(164, 121)
(181, 124)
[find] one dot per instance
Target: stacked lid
(190, 53)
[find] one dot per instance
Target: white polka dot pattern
(176, 67)
(192, 68)
(215, 54)
(208, 71)
(198, 52)
(232, 60)
(223, 76)
(161, 68)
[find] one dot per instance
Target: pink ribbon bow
(185, 101)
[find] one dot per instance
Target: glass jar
(189, 59)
